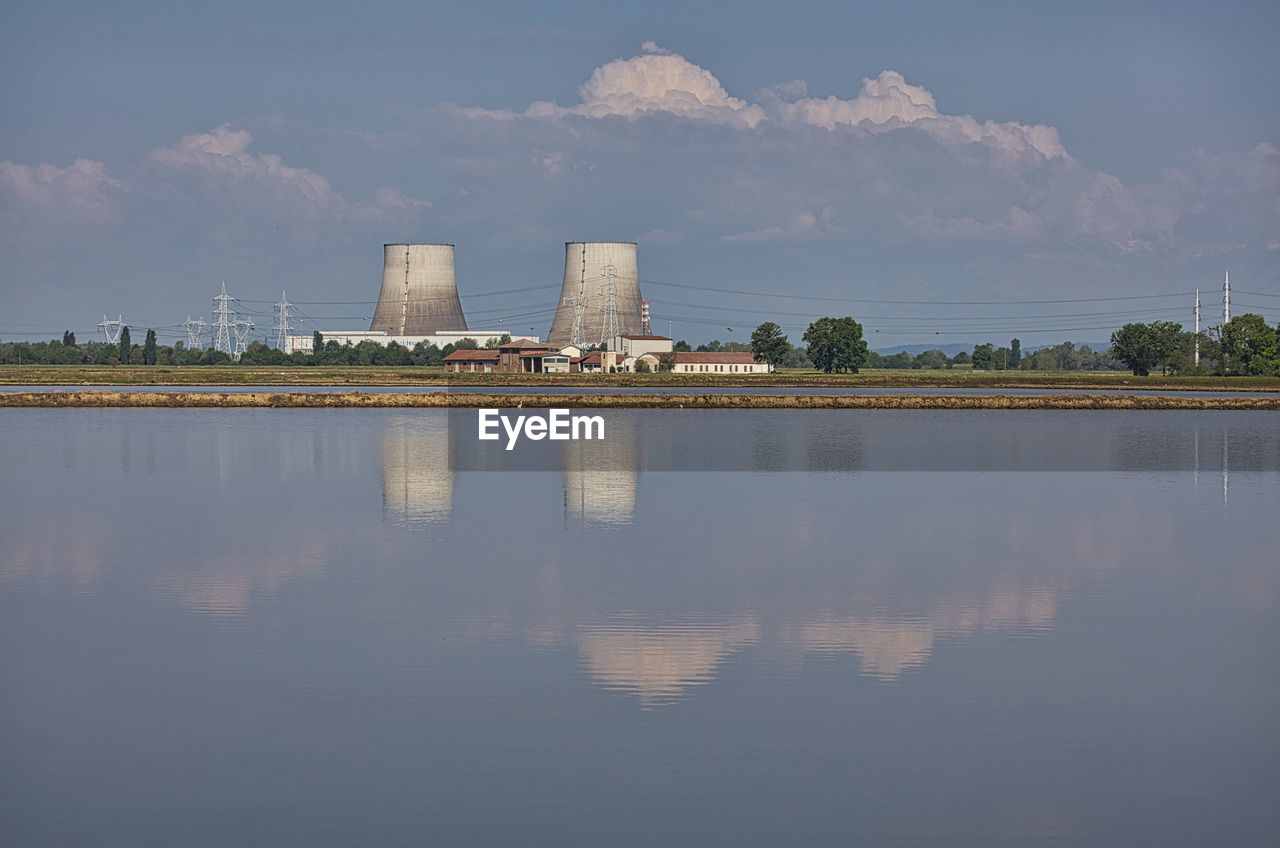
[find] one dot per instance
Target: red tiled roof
(471, 355)
(717, 358)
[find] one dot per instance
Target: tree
(984, 357)
(667, 361)
(835, 344)
(68, 339)
(125, 345)
(494, 342)
(317, 342)
(466, 343)
(1142, 347)
(1015, 353)
(681, 346)
(931, 359)
(642, 367)
(769, 344)
(149, 348)
(1134, 344)
(1249, 345)
(796, 358)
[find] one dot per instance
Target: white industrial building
(695, 362)
(440, 339)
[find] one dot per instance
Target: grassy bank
(363, 400)
(141, 375)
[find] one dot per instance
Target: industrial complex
(601, 321)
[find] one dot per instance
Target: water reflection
(417, 485)
(658, 661)
(601, 477)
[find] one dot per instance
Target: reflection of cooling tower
(419, 293)
(600, 477)
(584, 276)
(417, 485)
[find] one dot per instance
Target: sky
(943, 172)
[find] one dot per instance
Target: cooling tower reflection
(417, 484)
(601, 477)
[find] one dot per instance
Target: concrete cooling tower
(583, 315)
(419, 294)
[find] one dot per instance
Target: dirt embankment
(364, 400)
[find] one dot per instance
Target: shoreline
(605, 400)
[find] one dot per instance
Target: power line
(912, 302)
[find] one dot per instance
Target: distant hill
(954, 348)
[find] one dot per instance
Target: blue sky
(926, 166)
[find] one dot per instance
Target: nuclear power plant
(419, 295)
(599, 302)
(600, 297)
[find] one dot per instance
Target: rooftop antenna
(111, 329)
(282, 328)
(610, 308)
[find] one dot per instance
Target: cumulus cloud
(658, 81)
(222, 157)
(889, 102)
(804, 226)
(887, 163)
(82, 188)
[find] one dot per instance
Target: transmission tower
(111, 329)
(242, 329)
(579, 304)
(195, 332)
(223, 318)
(610, 290)
(1197, 336)
(282, 328)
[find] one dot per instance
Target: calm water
(301, 627)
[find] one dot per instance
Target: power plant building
(600, 297)
(419, 295)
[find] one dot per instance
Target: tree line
(1246, 345)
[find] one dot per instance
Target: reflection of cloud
(658, 661)
(888, 645)
(224, 586)
(417, 485)
(77, 551)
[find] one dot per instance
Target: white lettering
(488, 421)
(513, 433)
(559, 425)
(587, 422)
